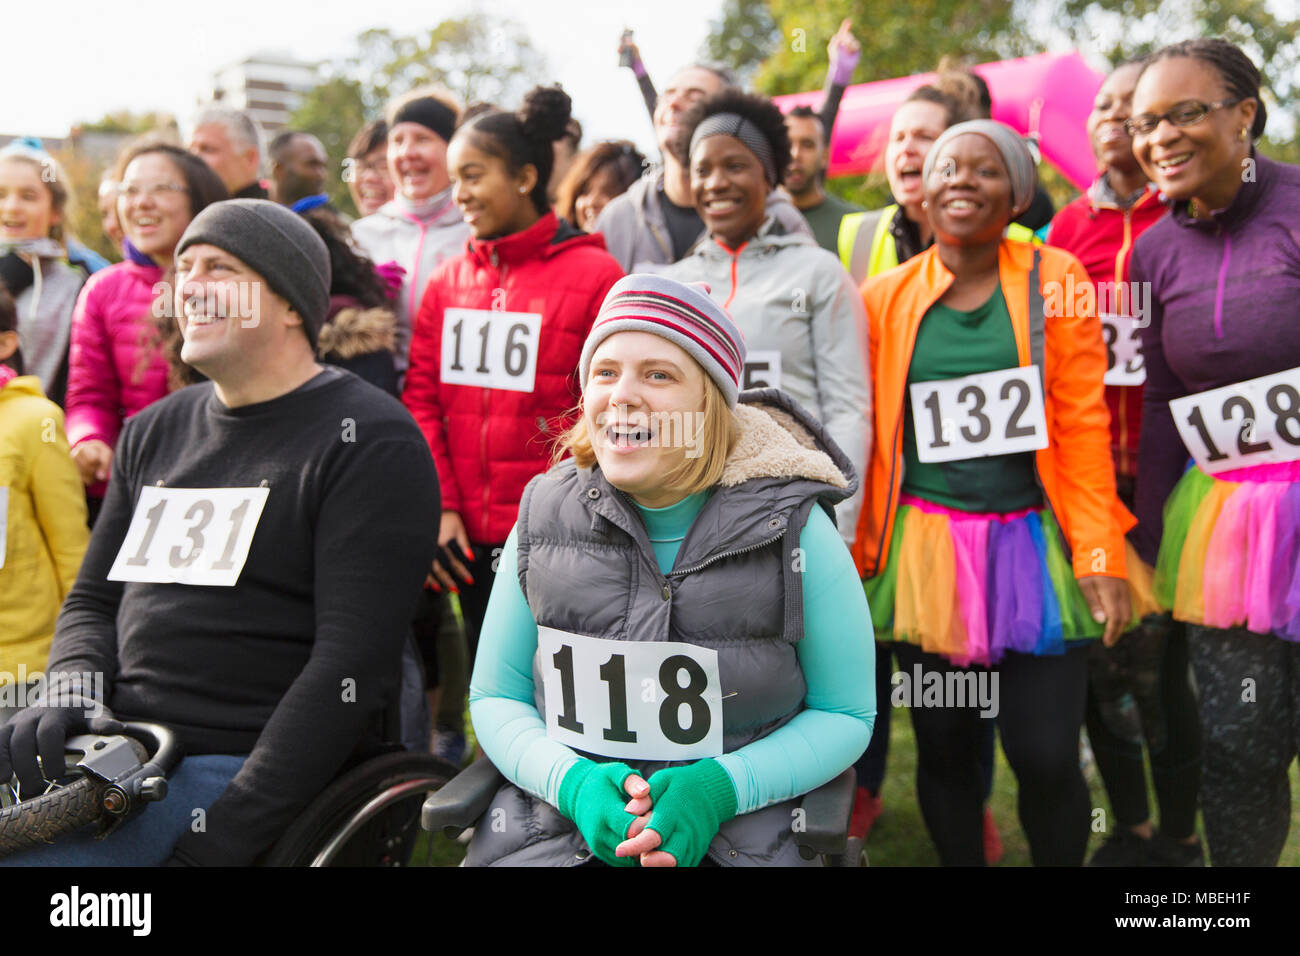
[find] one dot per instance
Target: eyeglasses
(154, 190)
(1186, 113)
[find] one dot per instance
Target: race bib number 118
(645, 700)
(189, 536)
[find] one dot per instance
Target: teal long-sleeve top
(836, 654)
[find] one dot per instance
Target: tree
(124, 121)
(478, 59)
(743, 37)
(1122, 29)
(897, 40)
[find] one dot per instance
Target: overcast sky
(79, 59)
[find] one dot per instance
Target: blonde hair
(55, 181)
(716, 437)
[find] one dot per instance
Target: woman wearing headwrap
(990, 530)
(798, 309)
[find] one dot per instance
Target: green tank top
(950, 344)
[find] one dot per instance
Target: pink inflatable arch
(1050, 92)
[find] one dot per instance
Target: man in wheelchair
(250, 580)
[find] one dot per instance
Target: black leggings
(1041, 701)
(870, 768)
(1163, 717)
(1249, 688)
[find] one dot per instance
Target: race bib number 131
(646, 700)
(189, 535)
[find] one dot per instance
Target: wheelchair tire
(37, 822)
(368, 817)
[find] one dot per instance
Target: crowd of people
(667, 471)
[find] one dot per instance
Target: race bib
(490, 349)
(1124, 364)
(646, 700)
(1250, 423)
(762, 370)
(4, 523)
(189, 536)
(992, 413)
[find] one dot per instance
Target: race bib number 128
(1250, 423)
(490, 349)
(992, 413)
(189, 535)
(646, 700)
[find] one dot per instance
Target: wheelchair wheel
(37, 822)
(368, 817)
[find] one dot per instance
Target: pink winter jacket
(108, 381)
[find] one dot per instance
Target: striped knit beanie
(682, 314)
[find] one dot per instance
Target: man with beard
(809, 155)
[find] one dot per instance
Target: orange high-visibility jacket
(1075, 469)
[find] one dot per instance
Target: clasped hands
(641, 842)
(668, 821)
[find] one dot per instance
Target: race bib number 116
(189, 536)
(646, 700)
(490, 349)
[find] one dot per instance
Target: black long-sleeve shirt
(292, 664)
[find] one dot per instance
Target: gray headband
(733, 124)
(1015, 155)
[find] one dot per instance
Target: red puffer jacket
(494, 363)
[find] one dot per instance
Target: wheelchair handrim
(362, 815)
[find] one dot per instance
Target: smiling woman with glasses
(116, 367)
(1188, 113)
(1223, 386)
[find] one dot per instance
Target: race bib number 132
(1250, 423)
(189, 535)
(992, 413)
(646, 700)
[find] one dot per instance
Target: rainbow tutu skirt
(1228, 556)
(973, 586)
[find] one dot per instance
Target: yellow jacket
(44, 533)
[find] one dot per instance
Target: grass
(899, 837)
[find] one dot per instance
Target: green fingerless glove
(689, 804)
(592, 796)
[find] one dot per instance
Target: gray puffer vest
(586, 566)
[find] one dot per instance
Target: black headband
(429, 113)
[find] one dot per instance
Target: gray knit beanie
(278, 245)
(1015, 155)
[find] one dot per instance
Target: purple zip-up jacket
(1225, 307)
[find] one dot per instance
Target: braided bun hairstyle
(525, 137)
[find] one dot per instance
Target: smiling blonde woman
(677, 645)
